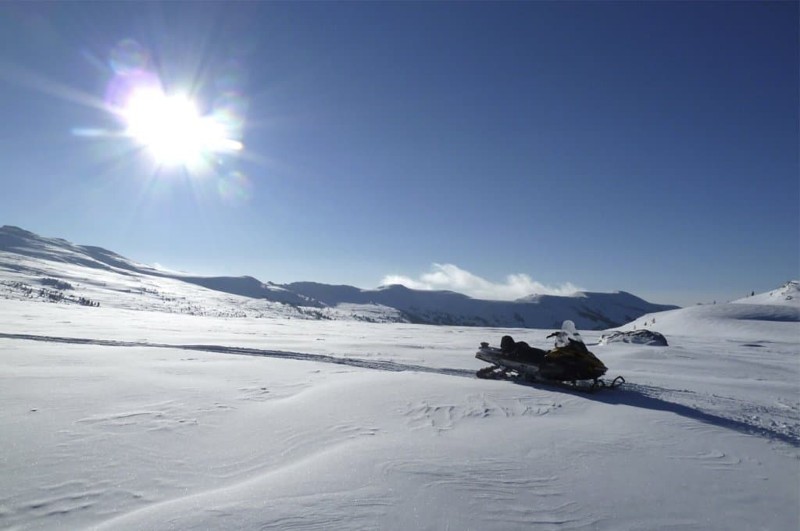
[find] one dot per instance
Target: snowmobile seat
(521, 351)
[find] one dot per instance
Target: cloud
(452, 277)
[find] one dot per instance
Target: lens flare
(171, 127)
(190, 129)
(234, 187)
(129, 57)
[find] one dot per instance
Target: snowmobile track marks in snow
(378, 365)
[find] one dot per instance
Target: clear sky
(491, 148)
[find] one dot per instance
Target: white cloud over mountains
(452, 277)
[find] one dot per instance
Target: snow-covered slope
(762, 315)
(786, 295)
(54, 269)
(126, 420)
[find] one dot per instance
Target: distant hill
(595, 311)
(776, 310)
(32, 266)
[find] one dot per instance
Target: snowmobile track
(378, 365)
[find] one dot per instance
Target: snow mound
(786, 295)
(735, 320)
(638, 337)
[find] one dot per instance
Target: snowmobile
(568, 364)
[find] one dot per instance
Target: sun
(172, 129)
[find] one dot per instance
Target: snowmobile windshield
(567, 333)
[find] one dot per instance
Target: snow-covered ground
(116, 418)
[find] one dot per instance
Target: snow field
(390, 432)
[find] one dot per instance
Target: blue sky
(484, 147)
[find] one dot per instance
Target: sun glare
(183, 129)
(173, 130)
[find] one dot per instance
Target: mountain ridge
(26, 256)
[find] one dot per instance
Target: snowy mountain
(591, 311)
(55, 269)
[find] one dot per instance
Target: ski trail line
(378, 365)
